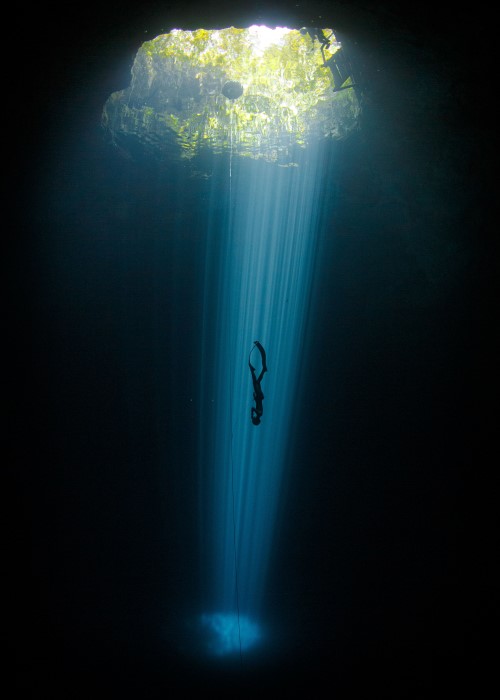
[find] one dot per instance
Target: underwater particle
(232, 89)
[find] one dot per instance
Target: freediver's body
(257, 410)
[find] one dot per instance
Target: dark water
(385, 521)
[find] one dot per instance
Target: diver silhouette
(257, 410)
(337, 63)
(317, 34)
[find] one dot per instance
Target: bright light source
(261, 256)
(262, 37)
(290, 94)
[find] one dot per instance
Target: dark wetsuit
(257, 410)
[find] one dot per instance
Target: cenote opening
(259, 107)
(247, 259)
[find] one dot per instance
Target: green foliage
(288, 93)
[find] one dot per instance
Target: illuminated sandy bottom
(223, 632)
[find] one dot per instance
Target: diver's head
(255, 417)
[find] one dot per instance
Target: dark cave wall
(401, 352)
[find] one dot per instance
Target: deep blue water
(140, 293)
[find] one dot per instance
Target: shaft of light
(258, 277)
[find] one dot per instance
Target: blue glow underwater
(226, 632)
(258, 287)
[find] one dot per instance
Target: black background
(384, 571)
